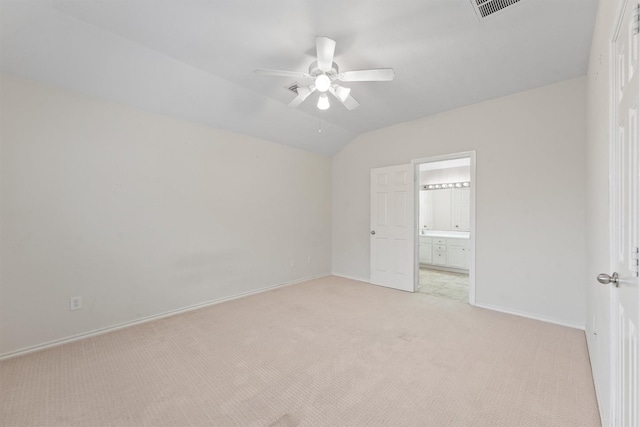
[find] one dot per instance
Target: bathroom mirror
(445, 208)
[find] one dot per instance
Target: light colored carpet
(330, 351)
(444, 284)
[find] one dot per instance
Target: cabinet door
(425, 253)
(461, 209)
(441, 209)
(458, 257)
(426, 209)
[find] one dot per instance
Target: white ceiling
(195, 59)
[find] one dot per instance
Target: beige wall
(530, 195)
(141, 214)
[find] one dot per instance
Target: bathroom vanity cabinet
(444, 252)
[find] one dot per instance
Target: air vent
(485, 8)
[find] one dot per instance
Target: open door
(625, 223)
(392, 227)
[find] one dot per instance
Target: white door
(392, 227)
(624, 195)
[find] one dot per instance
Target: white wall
(447, 175)
(141, 214)
(530, 191)
(598, 296)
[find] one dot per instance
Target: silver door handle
(373, 232)
(605, 279)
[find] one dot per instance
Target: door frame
(471, 155)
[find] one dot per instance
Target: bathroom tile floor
(444, 284)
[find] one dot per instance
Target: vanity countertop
(450, 234)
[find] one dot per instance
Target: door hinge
(635, 261)
(635, 26)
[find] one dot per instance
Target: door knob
(605, 279)
(373, 232)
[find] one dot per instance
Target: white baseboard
(530, 316)
(451, 269)
(359, 279)
(493, 308)
(108, 329)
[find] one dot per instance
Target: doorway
(445, 226)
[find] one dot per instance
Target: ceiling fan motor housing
(314, 71)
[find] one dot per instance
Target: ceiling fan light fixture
(323, 83)
(323, 102)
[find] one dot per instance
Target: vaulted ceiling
(195, 59)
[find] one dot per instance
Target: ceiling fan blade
(303, 93)
(282, 73)
(351, 103)
(342, 93)
(376, 75)
(325, 48)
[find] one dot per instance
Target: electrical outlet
(308, 260)
(293, 263)
(75, 303)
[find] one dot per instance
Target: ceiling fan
(324, 76)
